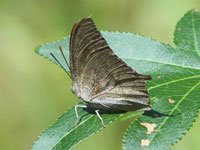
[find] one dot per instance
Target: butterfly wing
(100, 77)
(85, 41)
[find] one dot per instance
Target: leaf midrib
(165, 63)
(72, 130)
(195, 35)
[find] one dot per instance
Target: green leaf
(176, 76)
(181, 84)
(63, 134)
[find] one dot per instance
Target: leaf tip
(194, 10)
(37, 49)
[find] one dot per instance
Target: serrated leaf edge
(182, 134)
(72, 129)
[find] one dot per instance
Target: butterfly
(99, 77)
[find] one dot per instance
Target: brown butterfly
(99, 77)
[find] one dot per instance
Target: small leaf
(187, 34)
(181, 84)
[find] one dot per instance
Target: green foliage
(63, 134)
(180, 81)
(174, 89)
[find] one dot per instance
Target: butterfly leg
(97, 112)
(76, 112)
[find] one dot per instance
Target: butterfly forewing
(84, 39)
(100, 77)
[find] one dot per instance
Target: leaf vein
(159, 62)
(176, 107)
(173, 81)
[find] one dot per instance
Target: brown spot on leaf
(150, 127)
(145, 142)
(171, 101)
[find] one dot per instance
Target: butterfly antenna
(60, 48)
(60, 64)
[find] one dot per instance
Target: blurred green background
(34, 92)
